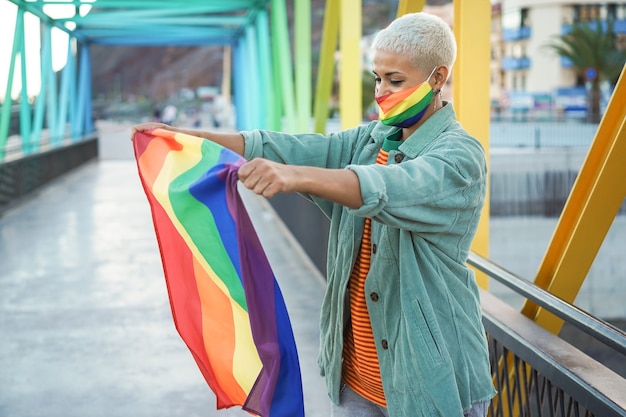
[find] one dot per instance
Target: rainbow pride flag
(225, 301)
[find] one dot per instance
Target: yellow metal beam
(592, 205)
(470, 87)
(410, 6)
(350, 85)
(326, 67)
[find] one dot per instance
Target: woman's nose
(381, 90)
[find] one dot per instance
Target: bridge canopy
(148, 22)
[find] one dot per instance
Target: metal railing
(535, 372)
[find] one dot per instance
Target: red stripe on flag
(183, 295)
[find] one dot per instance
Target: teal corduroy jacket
(422, 298)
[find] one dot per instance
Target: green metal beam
(302, 48)
(326, 66)
(281, 47)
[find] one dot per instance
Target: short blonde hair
(426, 39)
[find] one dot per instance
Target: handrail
(599, 329)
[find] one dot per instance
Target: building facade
(525, 73)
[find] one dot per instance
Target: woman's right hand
(142, 127)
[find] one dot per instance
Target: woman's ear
(441, 75)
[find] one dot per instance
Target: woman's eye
(377, 80)
(395, 82)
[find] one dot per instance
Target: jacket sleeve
(427, 193)
(334, 151)
(309, 149)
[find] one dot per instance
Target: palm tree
(592, 50)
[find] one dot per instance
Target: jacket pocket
(428, 336)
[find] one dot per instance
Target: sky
(32, 33)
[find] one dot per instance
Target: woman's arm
(267, 178)
(232, 141)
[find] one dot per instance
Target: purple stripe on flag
(278, 390)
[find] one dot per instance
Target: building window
(524, 18)
(587, 12)
(616, 11)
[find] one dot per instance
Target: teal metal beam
(7, 104)
(25, 111)
(40, 102)
(302, 48)
(67, 79)
(254, 99)
(166, 41)
(83, 109)
(140, 14)
(36, 8)
(72, 104)
(214, 7)
(240, 81)
(281, 47)
(186, 23)
(163, 32)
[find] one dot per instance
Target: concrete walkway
(85, 323)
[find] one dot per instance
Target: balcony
(516, 34)
(510, 63)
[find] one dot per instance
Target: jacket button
(374, 248)
(374, 296)
(398, 158)
(385, 344)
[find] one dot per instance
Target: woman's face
(394, 73)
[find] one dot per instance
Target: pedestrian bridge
(84, 312)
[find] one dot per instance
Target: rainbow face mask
(406, 107)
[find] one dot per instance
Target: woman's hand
(142, 127)
(267, 178)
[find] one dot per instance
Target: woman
(401, 329)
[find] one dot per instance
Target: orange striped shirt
(361, 370)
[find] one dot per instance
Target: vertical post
(470, 87)
(40, 103)
(52, 113)
(281, 49)
(73, 96)
(271, 120)
(7, 105)
(410, 6)
(350, 85)
(326, 66)
(83, 116)
(226, 81)
(240, 84)
(25, 112)
(302, 23)
(254, 101)
(66, 80)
